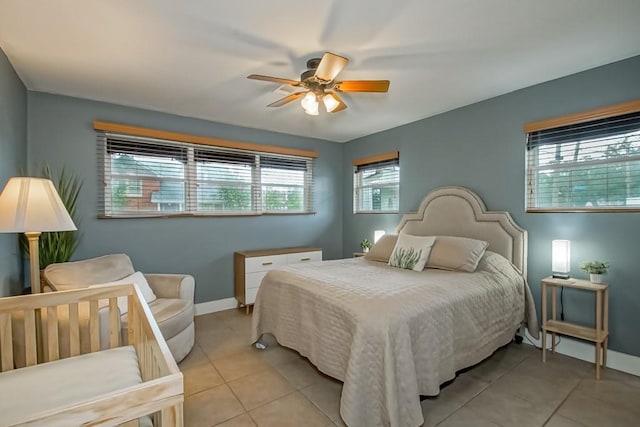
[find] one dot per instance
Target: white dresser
(249, 267)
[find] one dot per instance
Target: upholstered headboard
(458, 211)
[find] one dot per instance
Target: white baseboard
(217, 305)
(587, 352)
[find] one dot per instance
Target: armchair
(173, 308)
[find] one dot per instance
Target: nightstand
(358, 254)
(598, 334)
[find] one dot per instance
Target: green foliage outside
(119, 195)
(277, 200)
(405, 258)
(58, 246)
(591, 185)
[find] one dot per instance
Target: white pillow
(411, 252)
(382, 249)
(456, 253)
(137, 278)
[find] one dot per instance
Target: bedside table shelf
(599, 334)
(571, 329)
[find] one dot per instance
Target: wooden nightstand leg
(553, 317)
(598, 332)
(605, 322)
(246, 308)
(598, 350)
(544, 322)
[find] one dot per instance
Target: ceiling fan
(319, 83)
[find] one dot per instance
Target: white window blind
(376, 184)
(142, 176)
(593, 165)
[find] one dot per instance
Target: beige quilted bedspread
(389, 334)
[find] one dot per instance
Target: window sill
(203, 215)
(583, 210)
(376, 212)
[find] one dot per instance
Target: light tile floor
(228, 383)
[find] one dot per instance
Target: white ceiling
(192, 57)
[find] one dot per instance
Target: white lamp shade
(32, 205)
(561, 256)
(310, 104)
(330, 102)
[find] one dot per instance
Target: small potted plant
(596, 270)
(365, 245)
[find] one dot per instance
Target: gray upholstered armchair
(172, 302)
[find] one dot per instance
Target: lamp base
(563, 276)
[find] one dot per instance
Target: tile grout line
(489, 384)
(562, 403)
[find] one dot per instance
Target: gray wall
(482, 147)
(61, 133)
(13, 151)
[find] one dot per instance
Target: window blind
(592, 165)
(376, 184)
(142, 176)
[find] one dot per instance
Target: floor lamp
(31, 206)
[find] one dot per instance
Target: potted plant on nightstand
(365, 245)
(596, 270)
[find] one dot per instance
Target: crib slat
(171, 416)
(52, 334)
(94, 326)
(30, 346)
(6, 342)
(114, 328)
(74, 330)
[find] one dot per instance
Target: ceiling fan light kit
(320, 85)
(310, 104)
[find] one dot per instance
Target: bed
(85, 383)
(392, 335)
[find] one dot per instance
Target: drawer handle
(305, 259)
(267, 263)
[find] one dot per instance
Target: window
(153, 177)
(376, 184)
(585, 162)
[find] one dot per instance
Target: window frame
(576, 124)
(386, 159)
(191, 181)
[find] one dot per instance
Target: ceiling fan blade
(362, 86)
(330, 66)
(341, 106)
(287, 99)
(274, 79)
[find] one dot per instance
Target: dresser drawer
(304, 257)
(250, 297)
(253, 280)
(251, 266)
(264, 263)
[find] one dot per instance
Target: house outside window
(589, 165)
(376, 184)
(144, 177)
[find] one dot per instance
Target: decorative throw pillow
(456, 253)
(411, 252)
(137, 278)
(382, 249)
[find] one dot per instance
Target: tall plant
(58, 246)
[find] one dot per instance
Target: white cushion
(137, 278)
(411, 252)
(45, 387)
(456, 253)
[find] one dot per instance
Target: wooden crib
(78, 381)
